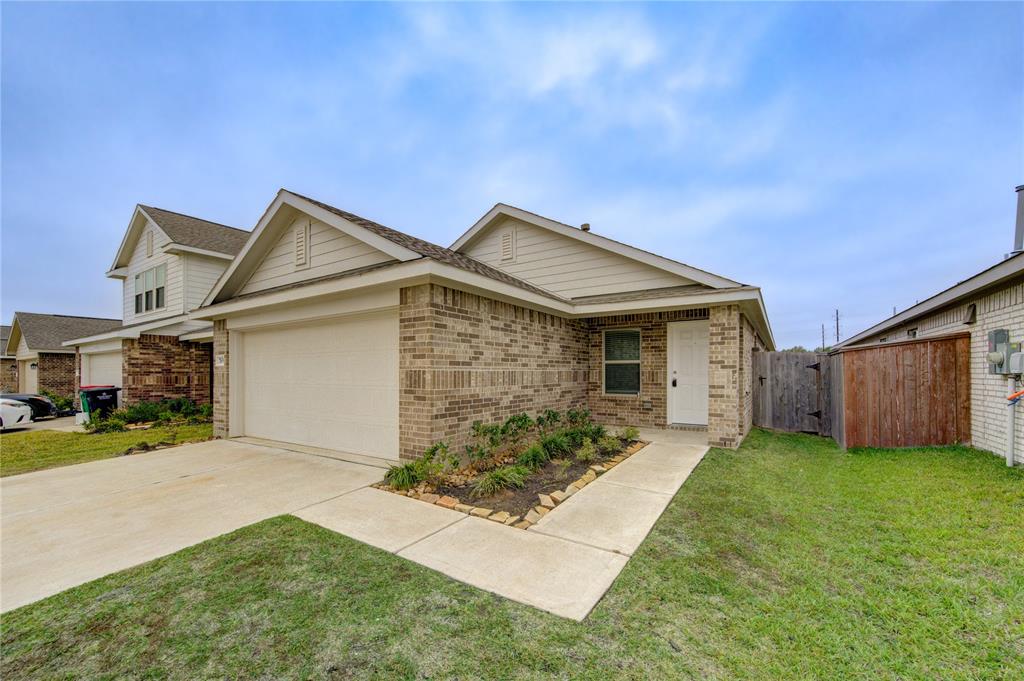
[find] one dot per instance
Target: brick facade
(464, 357)
(999, 309)
(8, 375)
(220, 378)
(163, 367)
(56, 373)
(650, 407)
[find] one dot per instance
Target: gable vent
(149, 244)
(302, 245)
(508, 245)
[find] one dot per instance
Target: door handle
(673, 382)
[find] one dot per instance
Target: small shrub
(106, 426)
(556, 445)
(140, 412)
(561, 467)
(499, 479)
(166, 417)
(62, 402)
(403, 477)
(629, 434)
(578, 417)
(575, 436)
(609, 444)
(206, 411)
(548, 419)
(587, 452)
(533, 457)
(515, 427)
(595, 431)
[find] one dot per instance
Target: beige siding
(999, 309)
(201, 273)
(140, 262)
(23, 351)
(566, 266)
(331, 251)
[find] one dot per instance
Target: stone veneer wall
(8, 375)
(650, 407)
(56, 373)
(163, 367)
(220, 378)
(464, 357)
(1002, 308)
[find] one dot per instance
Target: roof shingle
(47, 332)
(197, 233)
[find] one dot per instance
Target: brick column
(725, 396)
(221, 363)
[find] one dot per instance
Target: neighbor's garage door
(331, 385)
(101, 368)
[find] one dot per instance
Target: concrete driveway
(66, 526)
(62, 423)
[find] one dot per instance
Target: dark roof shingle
(197, 233)
(433, 251)
(47, 332)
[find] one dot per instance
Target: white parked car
(14, 414)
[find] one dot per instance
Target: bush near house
(165, 412)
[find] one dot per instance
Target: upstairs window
(150, 289)
(622, 362)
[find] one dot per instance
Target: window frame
(605, 362)
(150, 298)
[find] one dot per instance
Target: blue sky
(859, 156)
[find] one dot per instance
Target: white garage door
(331, 385)
(101, 368)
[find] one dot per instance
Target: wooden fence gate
(793, 392)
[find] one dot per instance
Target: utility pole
(837, 325)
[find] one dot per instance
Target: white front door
(688, 372)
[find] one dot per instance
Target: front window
(622, 362)
(149, 289)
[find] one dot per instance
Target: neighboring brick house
(8, 364)
(334, 331)
(168, 262)
(37, 343)
(992, 299)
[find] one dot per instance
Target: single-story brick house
(167, 263)
(8, 363)
(989, 300)
(37, 343)
(334, 331)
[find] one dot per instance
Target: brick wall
(57, 373)
(464, 357)
(724, 391)
(750, 343)
(650, 407)
(162, 367)
(220, 378)
(999, 309)
(8, 375)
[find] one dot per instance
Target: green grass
(785, 559)
(39, 449)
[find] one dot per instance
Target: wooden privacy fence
(895, 395)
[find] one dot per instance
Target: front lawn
(785, 559)
(38, 449)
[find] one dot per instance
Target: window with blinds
(622, 362)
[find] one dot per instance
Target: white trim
(625, 250)
(286, 198)
(201, 335)
(1009, 267)
(670, 350)
(129, 331)
(132, 230)
(100, 346)
(117, 273)
(176, 248)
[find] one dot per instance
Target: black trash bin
(98, 400)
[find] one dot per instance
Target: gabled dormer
(168, 262)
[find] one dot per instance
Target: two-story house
(167, 263)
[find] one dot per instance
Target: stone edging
(547, 502)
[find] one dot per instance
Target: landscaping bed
(517, 471)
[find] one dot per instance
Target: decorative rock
(541, 510)
(499, 517)
(523, 524)
(481, 512)
(429, 498)
(512, 520)
(546, 501)
(597, 468)
(569, 491)
(447, 502)
(558, 496)
(588, 477)
(463, 508)
(610, 465)
(532, 517)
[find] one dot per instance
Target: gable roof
(995, 275)
(503, 210)
(184, 231)
(408, 246)
(5, 333)
(196, 232)
(47, 332)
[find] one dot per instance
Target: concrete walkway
(564, 564)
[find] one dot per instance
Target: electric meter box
(1000, 350)
(1017, 363)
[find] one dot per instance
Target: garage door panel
(101, 368)
(332, 385)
